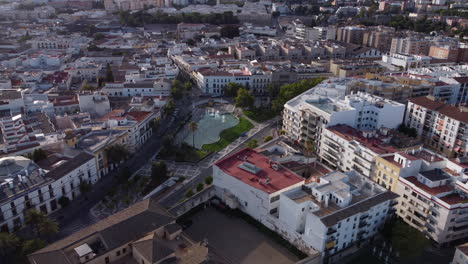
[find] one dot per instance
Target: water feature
(210, 126)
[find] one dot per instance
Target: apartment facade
(441, 126)
(305, 116)
(320, 218)
(410, 45)
(26, 185)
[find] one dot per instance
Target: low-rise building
(25, 184)
(143, 233)
(461, 254)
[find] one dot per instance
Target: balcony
(362, 224)
(364, 216)
(331, 231)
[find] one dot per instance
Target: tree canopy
(244, 98)
(141, 18)
(289, 91)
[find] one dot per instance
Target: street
(76, 215)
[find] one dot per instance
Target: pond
(209, 128)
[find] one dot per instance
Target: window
(274, 199)
(118, 253)
(107, 260)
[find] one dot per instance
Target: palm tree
(48, 227)
(8, 242)
(34, 219)
(309, 149)
(193, 127)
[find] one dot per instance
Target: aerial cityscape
(233, 131)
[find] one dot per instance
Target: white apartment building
(17, 137)
(321, 219)
(213, 82)
(345, 148)
(406, 61)
(410, 45)
(361, 111)
(251, 182)
(25, 185)
(11, 101)
(160, 87)
(136, 123)
(453, 83)
(461, 254)
(435, 201)
(441, 126)
(343, 210)
(96, 104)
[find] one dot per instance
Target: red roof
(441, 107)
(138, 115)
(427, 189)
(350, 133)
(278, 179)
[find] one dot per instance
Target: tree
(189, 193)
(64, 201)
(267, 138)
(34, 218)
(88, 87)
(109, 73)
(229, 31)
(252, 144)
(200, 186)
(177, 89)
(289, 91)
(99, 36)
(191, 42)
(232, 88)
(193, 127)
(8, 243)
(41, 224)
(117, 153)
(309, 149)
(159, 170)
(244, 98)
(38, 155)
(85, 187)
(209, 180)
(29, 246)
(169, 108)
(48, 227)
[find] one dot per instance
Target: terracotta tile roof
(139, 116)
(350, 133)
(441, 107)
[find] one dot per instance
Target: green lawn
(229, 135)
(260, 115)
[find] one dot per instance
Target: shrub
(267, 138)
(200, 186)
(189, 193)
(209, 180)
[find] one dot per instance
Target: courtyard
(232, 240)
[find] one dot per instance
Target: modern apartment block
(442, 126)
(325, 218)
(410, 45)
(388, 169)
(305, 115)
(434, 202)
(25, 184)
(352, 35)
(345, 148)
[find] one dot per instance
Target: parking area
(232, 240)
